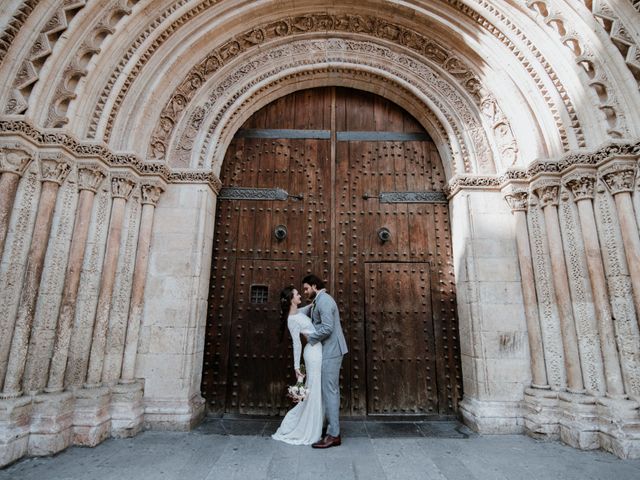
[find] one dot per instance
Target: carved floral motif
(518, 200)
(582, 185)
(151, 192)
(15, 158)
(53, 168)
(122, 185)
(619, 178)
(90, 177)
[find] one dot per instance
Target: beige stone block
(492, 226)
(175, 220)
(168, 340)
(501, 292)
(164, 374)
(497, 269)
(505, 248)
(91, 417)
(506, 345)
(15, 418)
(503, 316)
(511, 370)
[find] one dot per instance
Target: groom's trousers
(331, 393)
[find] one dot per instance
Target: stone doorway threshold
(376, 427)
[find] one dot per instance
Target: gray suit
(326, 319)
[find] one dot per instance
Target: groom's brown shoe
(327, 442)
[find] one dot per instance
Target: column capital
(518, 200)
(122, 184)
(90, 176)
(151, 189)
(619, 175)
(581, 182)
(547, 189)
(54, 167)
(15, 158)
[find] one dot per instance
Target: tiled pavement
(242, 449)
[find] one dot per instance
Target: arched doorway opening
(347, 185)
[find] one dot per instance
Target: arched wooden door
(346, 185)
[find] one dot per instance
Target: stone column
(517, 200)
(150, 195)
(127, 409)
(547, 191)
(121, 187)
(581, 184)
(14, 160)
(619, 177)
(54, 170)
(90, 177)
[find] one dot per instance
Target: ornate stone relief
(15, 158)
(619, 32)
(572, 39)
(90, 176)
(619, 177)
(219, 103)
(28, 74)
(620, 290)
(65, 92)
(54, 168)
(16, 251)
(503, 38)
(549, 317)
(580, 287)
(14, 25)
(89, 288)
(52, 283)
(122, 292)
(376, 27)
(518, 200)
(150, 192)
(581, 184)
(152, 28)
(547, 192)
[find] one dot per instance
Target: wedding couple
(319, 322)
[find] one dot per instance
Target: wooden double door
(346, 185)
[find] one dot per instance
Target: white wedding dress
(303, 423)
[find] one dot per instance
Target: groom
(326, 319)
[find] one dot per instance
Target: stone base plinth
(127, 409)
(492, 417)
(578, 420)
(51, 423)
(619, 426)
(541, 417)
(175, 414)
(15, 420)
(91, 416)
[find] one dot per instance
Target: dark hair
(312, 280)
(286, 295)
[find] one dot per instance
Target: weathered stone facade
(115, 118)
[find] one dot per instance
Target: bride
(303, 423)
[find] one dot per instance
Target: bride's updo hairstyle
(286, 295)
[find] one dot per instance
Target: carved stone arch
(446, 112)
(210, 151)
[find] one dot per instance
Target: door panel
(333, 216)
(400, 339)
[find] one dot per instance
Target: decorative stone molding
(15, 158)
(90, 176)
(151, 190)
(14, 25)
(619, 176)
(29, 72)
(518, 200)
(196, 176)
(594, 70)
(54, 167)
(547, 191)
(376, 27)
(581, 183)
(65, 91)
(122, 184)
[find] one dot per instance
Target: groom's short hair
(313, 280)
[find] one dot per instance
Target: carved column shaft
(121, 188)
(14, 160)
(54, 173)
(8, 187)
(518, 203)
(89, 180)
(548, 196)
(612, 371)
(150, 196)
(631, 242)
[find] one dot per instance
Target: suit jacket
(326, 319)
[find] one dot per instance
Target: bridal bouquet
(298, 392)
